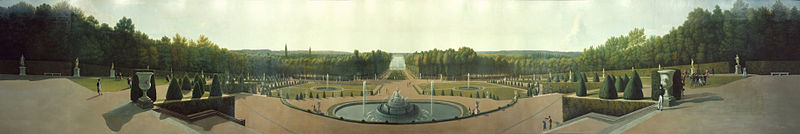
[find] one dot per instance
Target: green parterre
(485, 90)
(308, 90)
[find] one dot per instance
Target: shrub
(152, 91)
(655, 82)
(186, 84)
(136, 92)
(558, 78)
(633, 91)
(215, 89)
(581, 89)
(618, 84)
(173, 92)
(626, 80)
(608, 91)
(596, 78)
(198, 91)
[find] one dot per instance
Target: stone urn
(144, 84)
(666, 83)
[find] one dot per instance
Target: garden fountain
(397, 109)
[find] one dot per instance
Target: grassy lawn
(108, 84)
(346, 90)
(715, 81)
(504, 93)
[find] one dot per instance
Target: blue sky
(399, 25)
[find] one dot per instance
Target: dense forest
(63, 33)
(706, 36)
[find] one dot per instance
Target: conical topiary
(152, 91)
(596, 78)
(619, 84)
(215, 89)
(186, 85)
(655, 83)
(581, 89)
(198, 91)
(633, 91)
(136, 91)
(174, 90)
(608, 91)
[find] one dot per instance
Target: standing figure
(544, 124)
(98, 87)
(550, 121)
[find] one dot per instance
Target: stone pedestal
(76, 72)
(738, 69)
(145, 102)
(111, 73)
(22, 71)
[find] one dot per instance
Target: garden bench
(779, 73)
(52, 74)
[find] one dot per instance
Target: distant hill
(267, 51)
(533, 52)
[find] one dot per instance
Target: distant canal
(398, 63)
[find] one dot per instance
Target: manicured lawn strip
(109, 84)
(504, 93)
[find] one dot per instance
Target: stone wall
(224, 104)
(574, 107)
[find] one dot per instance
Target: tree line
(706, 36)
(62, 33)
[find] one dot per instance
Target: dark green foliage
(677, 85)
(626, 79)
(655, 82)
(152, 91)
(596, 78)
(199, 84)
(581, 90)
(174, 90)
(136, 92)
(215, 87)
(451, 92)
(608, 91)
(186, 85)
(558, 78)
(619, 84)
(633, 91)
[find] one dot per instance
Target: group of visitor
(696, 79)
(546, 121)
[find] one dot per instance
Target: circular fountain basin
(468, 88)
(326, 88)
(421, 112)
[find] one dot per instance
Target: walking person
(550, 121)
(544, 124)
(660, 99)
(98, 87)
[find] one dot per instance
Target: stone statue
(659, 66)
(22, 61)
(112, 66)
(737, 59)
(77, 62)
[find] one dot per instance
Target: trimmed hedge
(186, 84)
(174, 90)
(619, 84)
(633, 91)
(581, 89)
(765, 67)
(215, 89)
(566, 87)
(198, 91)
(574, 107)
(225, 104)
(152, 91)
(136, 91)
(608, 91)
(655, 82)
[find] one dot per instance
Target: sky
(399, 25)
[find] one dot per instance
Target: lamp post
(144, 85)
